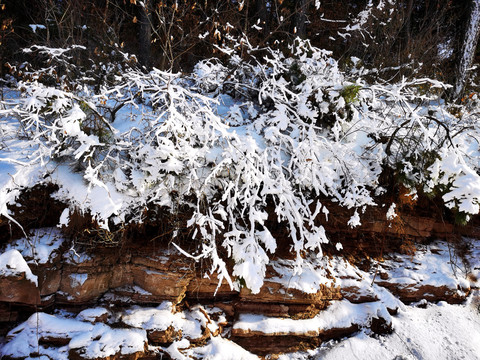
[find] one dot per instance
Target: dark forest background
(177, 34)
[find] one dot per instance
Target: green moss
(242, 282)
(461, 218)
(350, 93)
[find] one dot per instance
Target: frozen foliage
(359, 22)
(230, 141)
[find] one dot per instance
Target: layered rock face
(328, 298)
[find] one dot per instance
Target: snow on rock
(78, 288)
(78, 279)
(308, 279)
(287, 282)
(431, 274)
(12, 263)
(23, 340)
(164, 325)
(94, 315)
(17, 282)
(197, 331)
(158, 318)
(318, 280)
(57, 337)
(130, 334)
(174, 350)
(340, 315)
(439, 331)
(218, 348)
(41, 246)
(103, 342)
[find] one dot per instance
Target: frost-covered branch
(242, 145)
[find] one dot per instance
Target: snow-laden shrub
(230, 140)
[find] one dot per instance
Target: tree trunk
(408, 21)
(145, 34)
(468, 49)
(301, 18)
(262, 14)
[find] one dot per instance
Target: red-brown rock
(85, 287)
(170, 286)
(416, 292)
(18, 289)
(163, 337)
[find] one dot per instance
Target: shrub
(230, 140)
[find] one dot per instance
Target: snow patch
(77, 279)
(41, 246)
(341, 314)
(218, 348)
(12, 263)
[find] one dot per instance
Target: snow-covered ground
(423, 331)
(436, 332)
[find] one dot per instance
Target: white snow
(307, 278)
(23, 339)
(40, 247)
(341, 314)
(64, 218)
(97, 341)
(219, 348)
(439, 332)
(391, 212)
(431, 265)
(34, 27)
(91, 314)
(102, 342)
(12, 263)
(162, 317)
(77, 279)
(236, 155)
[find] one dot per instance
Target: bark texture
(468, 49)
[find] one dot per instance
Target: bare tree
(468, 49)
(145, 33)
(301, 18)
(262, 14)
